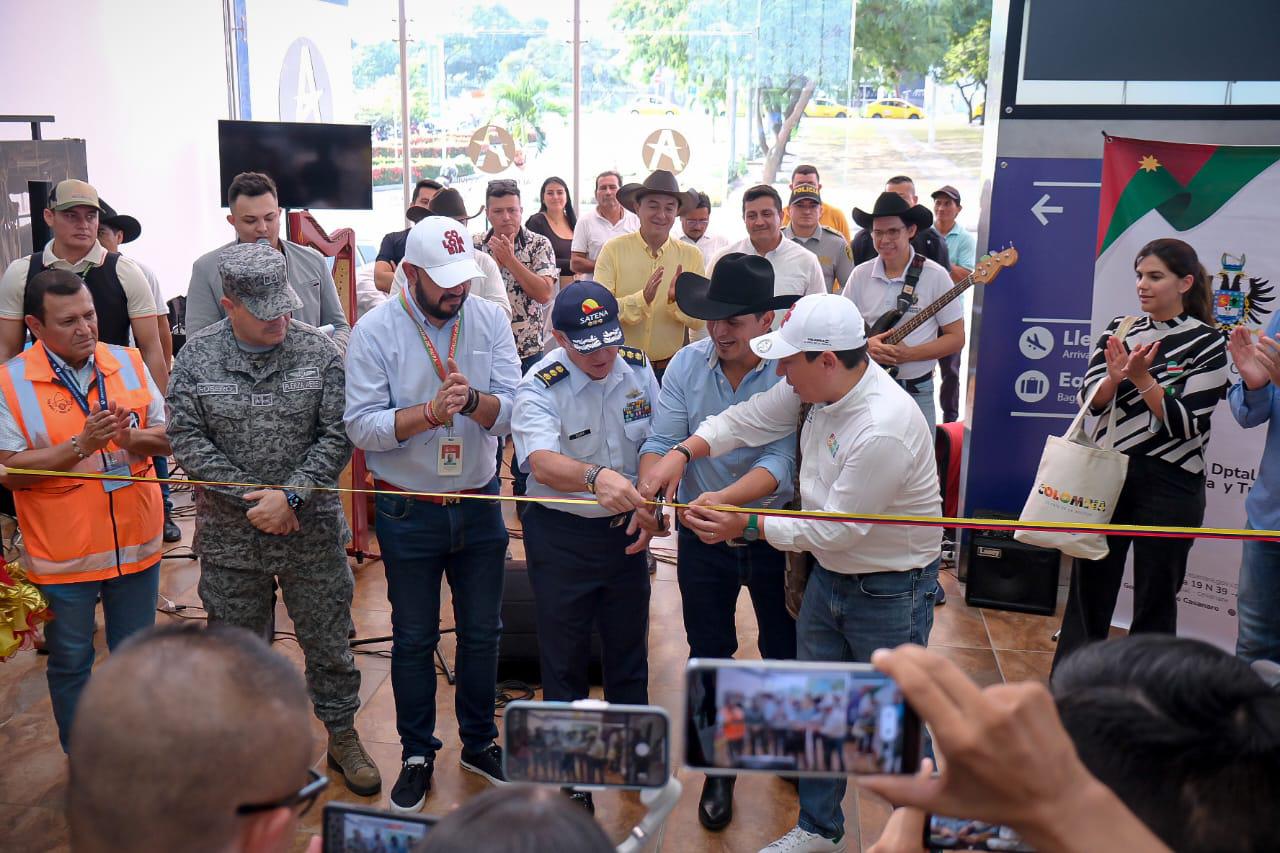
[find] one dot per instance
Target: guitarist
(894, 286)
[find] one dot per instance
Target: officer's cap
(255, 274)
(587, 313)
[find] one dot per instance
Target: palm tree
(524, 101)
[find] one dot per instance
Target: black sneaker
(172, 533)
(580, 798)
(939, 595)
(486, 763)
(410, 792)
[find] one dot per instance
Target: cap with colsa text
(72, 193)
(817, 323)
(587, 313)
(442, 248)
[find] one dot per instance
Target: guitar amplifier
(518, 645)
(1007, 575)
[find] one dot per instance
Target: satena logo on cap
(587, 314)
(589, 305)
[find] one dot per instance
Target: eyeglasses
(697, 221)
(887, 234)
(304, 796)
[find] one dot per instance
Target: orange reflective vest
(73, 530)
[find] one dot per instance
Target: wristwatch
(296, 500)
(752, 533)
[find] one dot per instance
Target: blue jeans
(161, 464)
(923, 395)
(711, 577)
(465, 542)
(1259, 602)
(846, 618)
(128, 604)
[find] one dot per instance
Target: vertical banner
(1221, 200)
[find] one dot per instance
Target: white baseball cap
(442, 247)
(817, 323)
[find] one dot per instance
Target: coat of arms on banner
(1239, 299)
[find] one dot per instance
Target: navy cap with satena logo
(587, 313)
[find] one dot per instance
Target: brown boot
(347, 755)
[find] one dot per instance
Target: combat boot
(347, 755)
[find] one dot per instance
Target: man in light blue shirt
(962, 251)
(430, 386)
(581, 414)
(1254, 401)
(702, 380)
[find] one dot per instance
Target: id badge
(449, 462)
(116, 463)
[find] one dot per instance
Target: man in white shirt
(596, 227)
(796, 271)
(694, 225)
(865, 449)
(884, 284)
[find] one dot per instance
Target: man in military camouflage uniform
(257, 398)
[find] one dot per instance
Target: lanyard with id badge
(113, 462)
(449, 447)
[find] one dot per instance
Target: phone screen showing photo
(951, 833)
(348, 830)
(828, 720)
(568, 746)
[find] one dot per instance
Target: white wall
(145, 92)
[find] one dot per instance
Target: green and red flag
(1185, 184)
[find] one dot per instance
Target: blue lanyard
(71, 385)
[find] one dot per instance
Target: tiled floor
(990, 645)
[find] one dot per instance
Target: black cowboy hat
(739, 284)
(107, 216)
(447, 202)
(662, 182)
(892, 204)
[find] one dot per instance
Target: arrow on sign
(1040, 209)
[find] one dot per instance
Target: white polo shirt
(796, 270)
(868, 453)
(874, 294)
(593, 231)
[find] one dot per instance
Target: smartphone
(587, 744)
(804, 718)
(950, 833)
(356, 829)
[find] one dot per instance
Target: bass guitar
(984, 272)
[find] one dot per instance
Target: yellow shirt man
(624, 266)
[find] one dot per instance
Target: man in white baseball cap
(865, 449)
(431, 379)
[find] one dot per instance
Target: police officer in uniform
(832, 250)
(257, 398)
(581, 414)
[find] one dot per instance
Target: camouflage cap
(255, 274)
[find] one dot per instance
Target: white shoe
(801, 841)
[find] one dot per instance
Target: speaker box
(518, 645)
(1008, 575)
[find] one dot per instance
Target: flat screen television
(314, 165)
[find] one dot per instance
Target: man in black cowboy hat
(391, 252)
(115, 229)
(927, 241)
(885, 282)
(702, 380)
(640, 269)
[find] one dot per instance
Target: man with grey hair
(258, 398)
(191, 738)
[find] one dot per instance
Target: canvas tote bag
(1078, 482)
